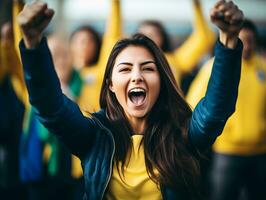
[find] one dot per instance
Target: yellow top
(135, 184)
(245, 131)
(10, 61)
(93, 75)
(187, 56)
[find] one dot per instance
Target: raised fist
(33, 19)
(228, 18)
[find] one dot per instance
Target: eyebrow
(143, 63)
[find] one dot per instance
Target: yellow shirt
(135, 184)
(245, 131)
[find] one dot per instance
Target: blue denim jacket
(91, 139)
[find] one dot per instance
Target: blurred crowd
(35, 165)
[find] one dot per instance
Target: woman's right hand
(33, 19)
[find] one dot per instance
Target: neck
(138, 125)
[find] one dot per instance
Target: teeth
(137, 90)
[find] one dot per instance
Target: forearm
(223, 84)
(16, 9)
(112, 34)
(212, 112)
(41, 79)
(58, 113)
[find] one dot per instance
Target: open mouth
(137, 96)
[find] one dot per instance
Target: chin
(138, 114)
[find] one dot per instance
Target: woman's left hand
(228, 18)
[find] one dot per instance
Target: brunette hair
(249, 25)
(166, 44)
(165, 140)
(96, 37)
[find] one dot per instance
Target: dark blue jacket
(91, 139)
(11, 117)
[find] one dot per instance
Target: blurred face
(153, 33)
(135, 81)
(249, 41)
(83, 48)
(61, 58)
(6, 34)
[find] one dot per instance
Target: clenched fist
(228, 18)
(33, 19)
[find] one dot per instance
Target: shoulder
(101, 118)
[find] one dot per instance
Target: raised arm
(59, 114)
(212, 112)
(199, 42)
(17, 71)
(113, 33)
(10, 63)
(16, 9)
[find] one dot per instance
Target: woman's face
(83, 48)
(135, 81)
(152, 32)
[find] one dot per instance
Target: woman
(139, 97)
(85, 44)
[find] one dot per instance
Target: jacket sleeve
(58, 113)
(211, 113)
(198, 87)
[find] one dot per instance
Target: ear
(111, 86)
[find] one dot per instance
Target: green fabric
(75, 86)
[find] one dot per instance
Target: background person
(239, 158)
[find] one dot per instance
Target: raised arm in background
(200, 42)
(93, 75)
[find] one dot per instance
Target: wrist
(32, 43)
(229, 41)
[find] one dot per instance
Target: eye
(124, 69)
(150, 69)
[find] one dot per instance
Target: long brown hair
(166, 145)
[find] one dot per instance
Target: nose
(136, 76)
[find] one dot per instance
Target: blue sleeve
(211, 113)
(58, 113)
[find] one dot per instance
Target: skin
(135, 68)
(6, 34)
(152, 32)
(249, 41)
(82, 48)
(61, 58)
